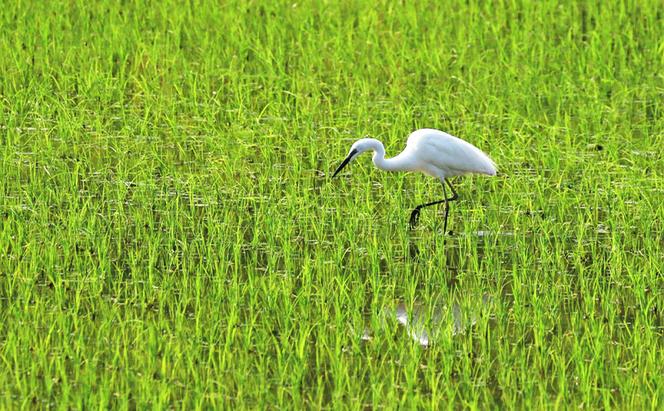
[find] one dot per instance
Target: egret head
(358, 147)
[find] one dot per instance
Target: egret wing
(450, 154)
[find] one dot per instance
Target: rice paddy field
(171, 237)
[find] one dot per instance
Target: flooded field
(171, 236)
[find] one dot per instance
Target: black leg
(416, 212)
(454, 193)
(447, 209)
(447, 205)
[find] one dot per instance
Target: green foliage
(170, 237)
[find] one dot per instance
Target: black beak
(346, 161)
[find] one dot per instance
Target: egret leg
(447, 207)
(414, 216)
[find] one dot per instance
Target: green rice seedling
(170, 235)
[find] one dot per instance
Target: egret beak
(345, 162)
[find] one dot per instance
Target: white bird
(431, 152)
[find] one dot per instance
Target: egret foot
(414, 216)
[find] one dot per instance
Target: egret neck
(397, 163)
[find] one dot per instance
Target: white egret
(431, 152)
